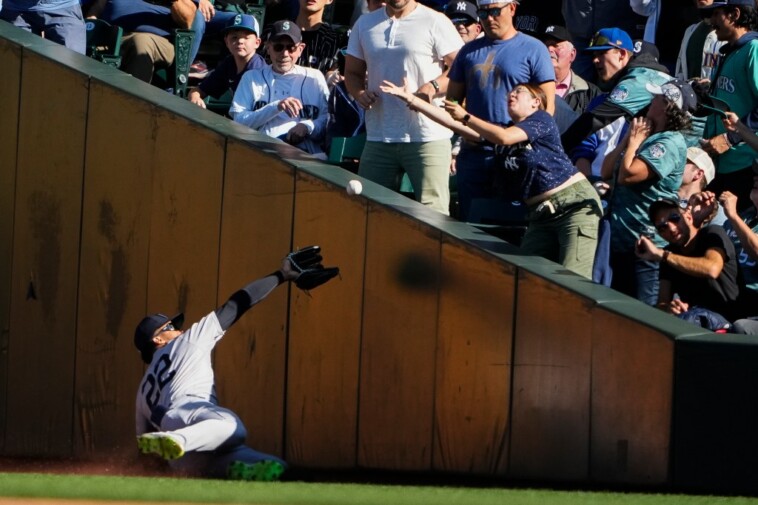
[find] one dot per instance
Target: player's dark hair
(747, 18)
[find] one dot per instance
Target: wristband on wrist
(435, 85)
(665, 256)
(279, 276)
(465, 119)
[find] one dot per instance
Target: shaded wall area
(439, 349)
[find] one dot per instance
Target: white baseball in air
(354, 187)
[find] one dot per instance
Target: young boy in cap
(242, 41)
(284, 100)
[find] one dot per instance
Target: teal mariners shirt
(736, 82)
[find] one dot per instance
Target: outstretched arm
(453, 117)
(242, 300)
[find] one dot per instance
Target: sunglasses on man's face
(168, 327)
(674, 217)
(602, 40)
(279, 47)
(495, 12)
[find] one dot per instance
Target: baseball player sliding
(177, 414)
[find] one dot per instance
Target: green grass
(26, 485)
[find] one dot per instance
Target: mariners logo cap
(242, 22)
(678, 91)
(461, 11)
(286, 29)
(611, 38)
(143, 335)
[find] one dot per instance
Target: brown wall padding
(10, 83)
(551, 382)
(407, 362)
(46, 258)
(474, 363)
(114, 267)
(632, 387)
(400, 303)
(255, 232)
(325, 331)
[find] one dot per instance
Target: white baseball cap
(703, 161)
(482, 3)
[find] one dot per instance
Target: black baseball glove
(307, 262)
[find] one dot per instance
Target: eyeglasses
(281, 47)
(495, 12)
(674, 217)
(518, 91)
(168, 327)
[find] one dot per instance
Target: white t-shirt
(412, 47)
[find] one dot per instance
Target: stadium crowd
(624, 132)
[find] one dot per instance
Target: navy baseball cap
(643, 47)
(678, 91)
(286, 28)
(727, 3)
(143, 335)
(242, 22)
(557, 32)
(461, 11)
(611, 38)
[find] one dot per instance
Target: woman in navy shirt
(563, 209)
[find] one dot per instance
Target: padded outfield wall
(439, 349)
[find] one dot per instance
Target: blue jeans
(64, 26)
(635, 277)
(475, 169)
(201, 27)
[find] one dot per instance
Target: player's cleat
(264, 471)
(161, 444)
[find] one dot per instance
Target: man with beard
(404, 42)
(698, 268)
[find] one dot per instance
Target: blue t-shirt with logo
(490, 69)
(665, 154)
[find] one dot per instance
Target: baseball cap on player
(611, 38)
(286, 28)
(143, 335)
(241, 22)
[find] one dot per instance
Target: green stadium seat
(104, 41)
